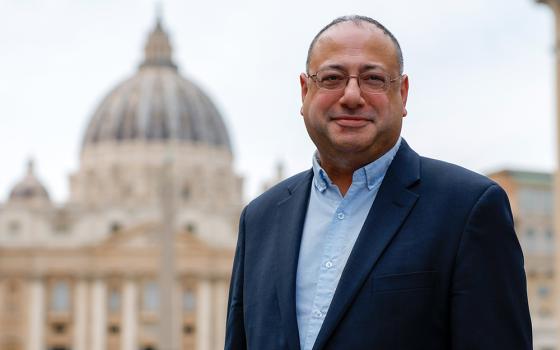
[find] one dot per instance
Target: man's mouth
(351, 121)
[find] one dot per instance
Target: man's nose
(352, 97)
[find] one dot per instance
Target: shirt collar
(370, 174)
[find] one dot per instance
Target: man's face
(350, 123)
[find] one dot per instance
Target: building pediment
(148, 237)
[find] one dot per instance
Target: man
(375, 247)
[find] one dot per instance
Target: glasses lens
(331, 80)
(374, 81)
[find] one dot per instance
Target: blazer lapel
(389, 210)
(290, 217)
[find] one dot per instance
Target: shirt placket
(328, 272)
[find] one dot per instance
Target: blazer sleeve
(489, 308)
(235, 326)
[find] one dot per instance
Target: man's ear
(304, 86)
(404, 93)
(304, 89)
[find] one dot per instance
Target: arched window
(115, 227)
(190, 227)
(14, 227)
(186, 192)
(12, 298)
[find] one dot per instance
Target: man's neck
(342, 178)
(341, 169)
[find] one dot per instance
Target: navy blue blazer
(437, 265)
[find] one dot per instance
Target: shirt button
(328, 264)
(340, 216)
(318, 313)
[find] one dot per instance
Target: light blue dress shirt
(332, 225)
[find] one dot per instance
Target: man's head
(350, 122)
(358, 20)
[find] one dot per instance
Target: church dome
(29, 188)
(157, 104)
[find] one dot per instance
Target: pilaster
(204, 315)
(130, 315)
(80, 314)
(99, 314)
(36, 314)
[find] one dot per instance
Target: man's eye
(372, 78)
(331, 77)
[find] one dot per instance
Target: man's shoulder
(448, 175)
(282, 190)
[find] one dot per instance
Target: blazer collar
(290, 217)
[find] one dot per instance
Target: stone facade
(155, 169)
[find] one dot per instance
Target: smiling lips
(352, 121)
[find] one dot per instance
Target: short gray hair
(358, 20)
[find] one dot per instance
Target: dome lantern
(158, 49)
(29, 188)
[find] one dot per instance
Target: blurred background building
(549, 333)
(155, 175)
(531, 198)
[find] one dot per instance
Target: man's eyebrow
(372, 66)
(362, 68)
(333, 66)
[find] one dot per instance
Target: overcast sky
(481, 77)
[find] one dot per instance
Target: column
(36, 314)
(80, 314)
(178, 315)
(167, 339)
(204, 315)
(129, 338)
(98, 315)
(221, 289)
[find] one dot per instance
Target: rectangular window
(60, 298)
(189, 301)
(150, 297)
(114, 302)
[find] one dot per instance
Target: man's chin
(353, 144)
(352, 149)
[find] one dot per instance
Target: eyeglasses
(372, 82)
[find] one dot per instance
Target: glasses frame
(386, 86)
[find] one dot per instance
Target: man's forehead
(350, 26)
(354, 38)
(346, 33)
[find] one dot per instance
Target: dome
(29, 188)
(157, 104)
